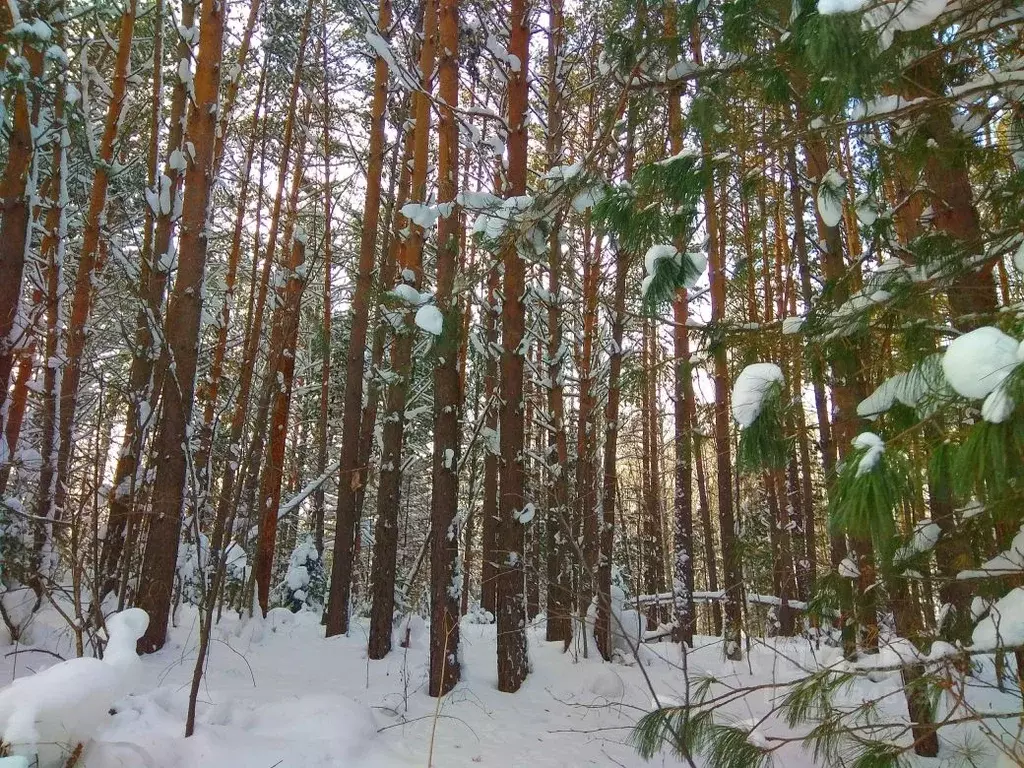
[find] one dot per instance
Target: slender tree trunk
(16, 190)
(165, 191)
(586, 431)
(510, 599)
(350, 478)
(489, 510)
(216, 376)
(319, 505)
(283, 338)
(559, 532)
(228, 494)
(182, 334)
(385, 550)
(89, 262)
(444, 549)
(733, 572)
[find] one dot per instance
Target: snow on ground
(278, 695)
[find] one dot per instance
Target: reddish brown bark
(557, 527)
(153, 273)
(89, 262)
(586, 433)
(182, 334)
(489, 509)
(319, 504)
(16, 412)
(682, 518)
(350, 478)
(510, 598)
(283, 337)
(410, 261)
(444, 544)
(732, 568)
(15, 206)
(228, 497)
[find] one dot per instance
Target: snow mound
(608, 684)
(749, 390)
(977, 362)
(48, 714)
(315, 717)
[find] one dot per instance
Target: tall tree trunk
(586, 429)
(444, 501)
(152, 287)
(184, 312)
(489, 509)
(16, 191)
(228, 494)
(350, 479)
(654, 577)
(604, 625)
(557, 528)
(216, 377)
(281, 370)
(89, 262)
(52, 249)
(389, 489)
(319, 504)
(733, 572)
(510, 598)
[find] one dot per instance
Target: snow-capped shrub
(191, 569)
(478, 615)
(305, 582)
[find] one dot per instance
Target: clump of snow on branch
(1004, 625)
(873, 447)
(830, 197)
(926, 536)
(1009, 562)
(430, 319)
(977, 362)
(977, 365)
(750, 389)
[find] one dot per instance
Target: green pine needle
(763, 445)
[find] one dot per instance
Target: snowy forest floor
(278, 695)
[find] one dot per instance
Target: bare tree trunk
(444, 549)
(510, 599)
(152, 287)
(319, 504)
(16, 191)
(489, 510)
(90, 261)
(350, 479)
(557, 528)
(182, 334)
(653, 550)
(228, 494)
(585, 524)
(385, 550)
(281, 374)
